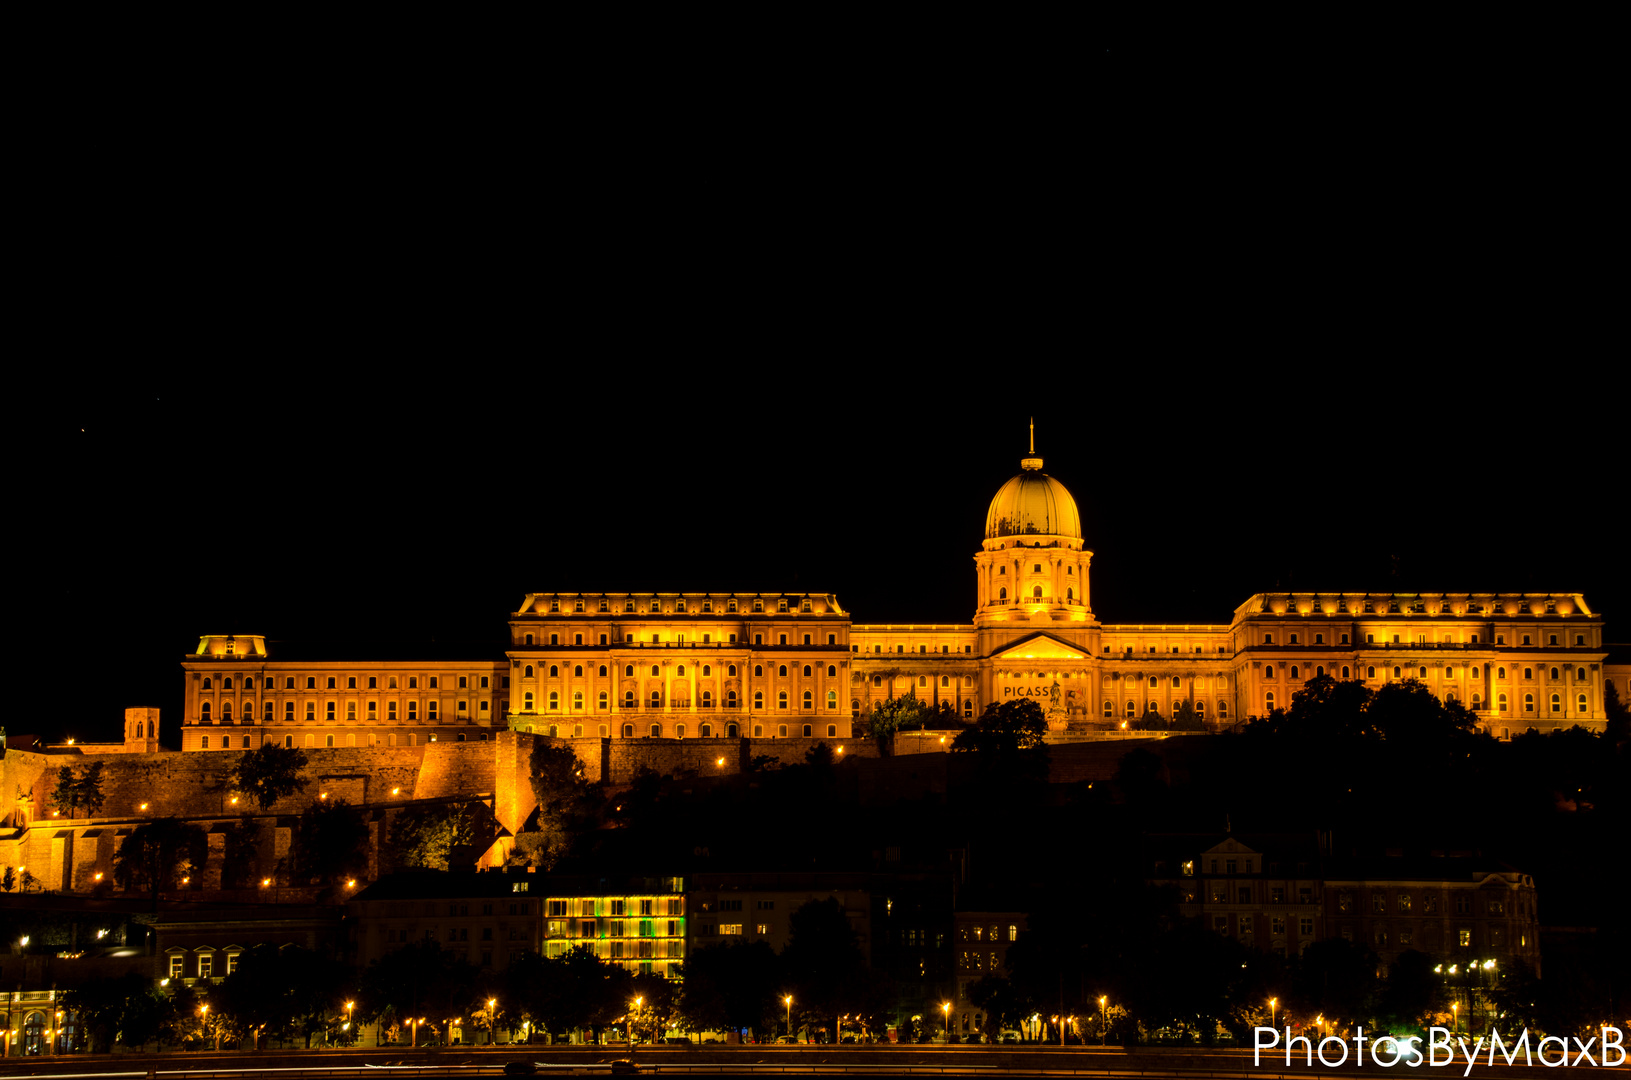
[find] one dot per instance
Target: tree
(422, 836)
(1413, 991)
(565, 804)
(159, 854)
(1338, 980)
(1004, 728)
(330, 842)
(8, 880)
(1152, 720)
(1619, 716)
(421, 979)
(100, 1004)
(735, 987)
(823, 958)
(78, 791)
(240, 855)
(270, 773)
(1007, 742)
(1003, 1007)
(148, 1013)
(904, 713)
(659, 1000)
(1185, 718)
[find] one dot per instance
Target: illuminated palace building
(794, 665)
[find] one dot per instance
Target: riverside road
(673, 1060)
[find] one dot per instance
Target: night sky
(383, 386)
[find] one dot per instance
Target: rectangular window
(177, 966)
(1305, 926)
(730, 928)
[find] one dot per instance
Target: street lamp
(945, 1008)
(1104, 1035)
(639, 1001)
(1274, 1003)
(492, 1016)
(788, 1001)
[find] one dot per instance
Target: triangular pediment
(1041, 646)
(1231, 846)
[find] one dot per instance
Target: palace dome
(1033, 502)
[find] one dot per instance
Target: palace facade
(795, 665)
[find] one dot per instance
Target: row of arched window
(331, 682)
(527, 672)
(371, 708)
(1036, 593)
(1150, 706)
(552, 700)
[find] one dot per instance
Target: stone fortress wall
(68, 854)
(141, 786)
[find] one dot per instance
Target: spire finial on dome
(1031, 463)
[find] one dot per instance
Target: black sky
(385, 379)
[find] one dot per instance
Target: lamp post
(633, 1020)
(1274, 1003)
(1104, 1032)
(348, 1007)
(788, 1001)
(945, 1009)
(492, 1018)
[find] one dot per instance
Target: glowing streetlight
(720, 762)
(788, 1001)
(1274, 1004)
(492, 1017)
(945, 1009)
(1104, 1034)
